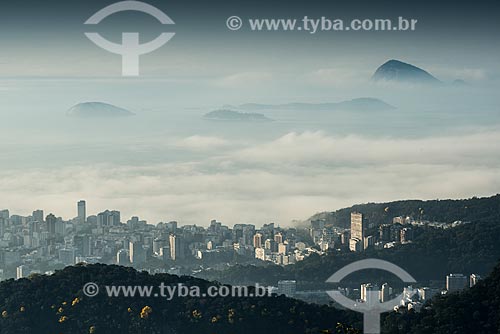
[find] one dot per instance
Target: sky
(462, 35)
(167, 163)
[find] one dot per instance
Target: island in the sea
(97, 110)
(398, 71)
(232, 115)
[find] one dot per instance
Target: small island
(231, 115)
(97, 110)
(358, 104)
(398, 71)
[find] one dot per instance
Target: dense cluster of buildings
(362, 235)
(411, 297)
(41, 243)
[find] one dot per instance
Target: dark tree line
(56, 304)
(475, 310)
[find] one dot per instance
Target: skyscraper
(176, 248)
(364, 288)
(137, 253)
(171, 226)
(67, 256)
(165, 253)
(38, 216)
(3, 225)
(4, 214)
(122, 257)
(473, 279)
(158, 243)
(283, 248)
(247, 234)
(369, 241)
(358, 227)
(83, 245)
(108, 218)
(456, 282)
(287, 287)
(369, 292)
(82, 212)
(385, 233)
(257, 240)
(385, 293)
(22, 271)
(51, 221)
(271, 245)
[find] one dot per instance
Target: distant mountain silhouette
(444, 210)
(231, 115)
(359, 104)
(395, 70)
(97, 110)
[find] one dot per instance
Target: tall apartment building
(177, 251)
(82, 212)
(358, 227)
(456, 282)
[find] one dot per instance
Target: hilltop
(395, 70)
(472, 310)
(445, 211)
(56, 304)
(97, 110)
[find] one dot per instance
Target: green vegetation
(56, 304)
(475, 210)
(434, 252)
(475, 310)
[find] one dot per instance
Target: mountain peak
(396, 70)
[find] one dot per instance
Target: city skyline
(358, 222)
(341, 156)
(170, 247)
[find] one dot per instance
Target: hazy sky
(46, 38)
(166, 163)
